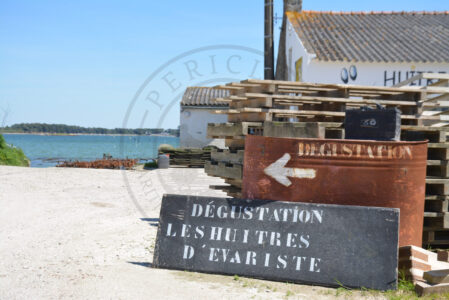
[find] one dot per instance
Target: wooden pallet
(436, 203)
(425, 116)
(438, 168)
(437, 186)
(319, 101)
(421, 133)
(272, 129)
(228, 156)
(223, 170)
(438, 151)
(434, 220)
(436, 237)
(227, 130)
(229, 189)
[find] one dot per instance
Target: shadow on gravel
(142, 264)
(151, 221)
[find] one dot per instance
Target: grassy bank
(12, 156)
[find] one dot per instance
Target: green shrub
(12, 156)
(150, 165)
(165, 148)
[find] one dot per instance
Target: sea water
(49, 150)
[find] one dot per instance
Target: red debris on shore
(100, 164)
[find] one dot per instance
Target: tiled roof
(203, 96)
(374, 37)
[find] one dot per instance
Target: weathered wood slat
(215, 130)
(435, 237)
(291, 112)
(434, 136)
(223, 170)
(250, 117)
(436, 203)
(234, 182)
(436, 220)
(266, 102)
(235, 143)
(228, 156)
(438, 168)
(350, 87)
(320, 99)
(437, 186)
(438, 151)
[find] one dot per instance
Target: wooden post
(269, 53)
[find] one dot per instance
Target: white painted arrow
(279, 172)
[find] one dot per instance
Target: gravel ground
(89, 234)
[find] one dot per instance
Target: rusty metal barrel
(344, 172)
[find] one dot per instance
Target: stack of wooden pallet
(191, 158)
(298, 109)
(228, 164)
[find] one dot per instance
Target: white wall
(294, 44)
(193, 125)
(379, 74)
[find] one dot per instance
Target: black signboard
(330, 245)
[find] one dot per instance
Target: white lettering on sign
(354, 150)
(242, 212)
(279, 172)
(189, 251)
(221, 242)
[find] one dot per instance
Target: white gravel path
(77, 233)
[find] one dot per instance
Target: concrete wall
(193, 125)
(379, 74)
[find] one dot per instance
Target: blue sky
(84, 62)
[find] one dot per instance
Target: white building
(365, 48)
(197, 106)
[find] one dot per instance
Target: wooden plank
(300, 99)
(437, 205)
(287, 129)
(410, 80)
(439, 76)
(248, 87)
(228, 156)
(226, 188)
(436, 220)
(437, 186)
(250, 117)
(254, 103)
(334, 133)
(437, 276)
(290, 112)
(349, 87)
(423, 128)
(438, 168)
(223, 130)
(235, 143)
(223, 170)
(443, 255)
(434, 136)
(233, 90)
(422, 288)
(234, 182)
(441, 98)
(437, 151)
(441, 82)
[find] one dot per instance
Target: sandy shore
(89, 234)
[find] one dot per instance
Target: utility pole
(269, 41)
(281, 66)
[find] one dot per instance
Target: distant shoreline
(93, 134)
